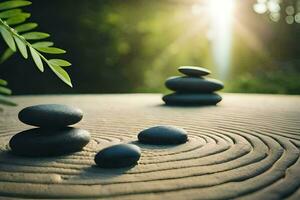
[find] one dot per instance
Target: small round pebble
(117, 156)
(194, 71)
(163, 135)
(193, 84)
(44, 142)
(50, 115)
(184, 99)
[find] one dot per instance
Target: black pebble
(117, 156)
(194, 71)
(193, 84)
(45, 142)
(184, 99)
(50, 115)
(163, 135)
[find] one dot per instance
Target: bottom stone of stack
(44, 142)
(188, 99)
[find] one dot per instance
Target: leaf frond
(6, 101)
(18, 37)
(13, 4)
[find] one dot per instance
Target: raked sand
(247, 147)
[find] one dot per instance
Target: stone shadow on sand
(154, 146)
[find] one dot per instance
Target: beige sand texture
(247, 147)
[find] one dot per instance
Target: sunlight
(211, 18)
(219, 13)
(221, 16)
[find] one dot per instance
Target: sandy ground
(247, 147)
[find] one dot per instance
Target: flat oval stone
(116, 156)
(163, 135)
(194, 71)
(185, 99)
(50, 115)
(193, 84)
(45, 142)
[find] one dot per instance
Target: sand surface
(247, 147)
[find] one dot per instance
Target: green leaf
(37, 59)
(19, 15)
(16, 20)
(51, 50)
(21, 46)
(42, 44)
(3, 82)
(23, 14)
(6, 55)
(4, 90)
(13, 4)
(61, 73)
(35, 35)
(6, 101)
(60, 62)
(8, 38)
(10, 13)
(26, 27)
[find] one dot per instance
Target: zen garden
(151, 100)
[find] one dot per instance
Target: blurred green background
(119, 46)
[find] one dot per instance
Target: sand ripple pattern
(245, 148)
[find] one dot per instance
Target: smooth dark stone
(45, 142)
(50, 115)
(194, 71)
(185, 99)
(163, 135)
(193, 84)
(116, 156)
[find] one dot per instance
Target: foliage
(133, 46)
(17, 33)
(279, 78)
(5, 91)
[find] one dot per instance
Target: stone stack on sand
(54, 136)
(193, 89)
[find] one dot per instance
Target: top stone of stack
(194, 71)
(50, 115)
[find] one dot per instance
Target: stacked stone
(193, 89)
(54, 137)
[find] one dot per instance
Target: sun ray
(221, 16)
(250, 39)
